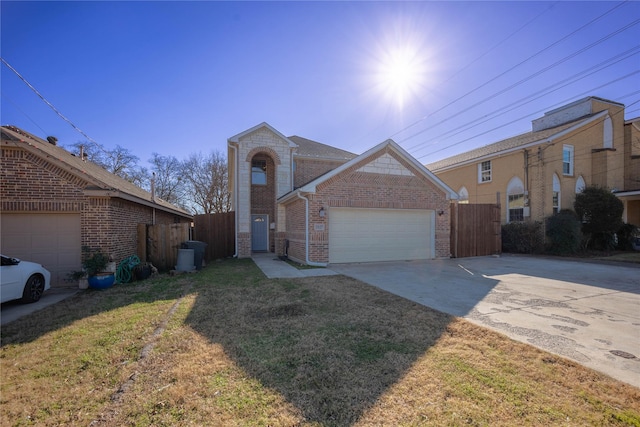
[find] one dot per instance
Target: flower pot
(83, 283)
(102, 280)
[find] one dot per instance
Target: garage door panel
(52, 240)
(365, 235)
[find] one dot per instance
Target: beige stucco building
(538, 173)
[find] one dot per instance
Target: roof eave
(549, 139)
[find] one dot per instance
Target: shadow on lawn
(332, 346)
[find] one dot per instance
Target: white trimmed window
(463, 195)
(567, 159)
(484, 171)
(556, 194)
(515, 200)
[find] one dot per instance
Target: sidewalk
(274, 268)
(13, 310)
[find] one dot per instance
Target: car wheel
(33, 289)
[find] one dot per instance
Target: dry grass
(242, 350)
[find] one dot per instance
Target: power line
(48, 103)
(523, 117)
(537, 73)
(530, 98)
(511, 69)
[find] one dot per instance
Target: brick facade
(32, 184)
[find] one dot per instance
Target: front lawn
(228, 347)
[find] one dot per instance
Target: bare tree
(119, 161)
(169, 179)
(207, 178)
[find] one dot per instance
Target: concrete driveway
(586, 312)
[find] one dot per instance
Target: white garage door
(52, 240)
(367, 235)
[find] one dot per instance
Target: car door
(10, 280)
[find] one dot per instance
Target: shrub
(601, 214)
(563, 233)
(522, 237)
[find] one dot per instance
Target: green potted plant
(95, 264)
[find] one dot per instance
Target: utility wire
(530, 98)
(524, 117)
(537, 73)
(47, 102)
(511, 69)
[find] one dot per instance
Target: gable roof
(317, 150)
(98, 178)
(236, 138)
(389, 143)
(514, 143)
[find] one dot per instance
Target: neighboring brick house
(538, 173)
(54, 203)
(320, 204)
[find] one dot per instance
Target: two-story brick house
(53, 203)
(319, 204)
(536, 174)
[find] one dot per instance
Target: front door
(259, 233)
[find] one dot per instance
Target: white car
(22, 280)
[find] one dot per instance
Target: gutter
(306, 234)
(235, 195)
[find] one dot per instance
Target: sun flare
(400, 74)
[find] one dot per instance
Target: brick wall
(357, 189)
(309, 169)
(31, 184)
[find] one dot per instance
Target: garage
(52, 240)
(370, 235)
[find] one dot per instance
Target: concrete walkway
(274, 268)
(13, 310)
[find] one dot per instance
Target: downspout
(235, 196)
(306, 234)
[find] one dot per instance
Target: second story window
(567, 159)
(259, 172)
(484, 172)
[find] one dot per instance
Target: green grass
(237, 349)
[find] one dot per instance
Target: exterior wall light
(321, 212)
(440, 212)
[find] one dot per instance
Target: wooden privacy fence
(159, 243)
(218, 232)
(475, 230)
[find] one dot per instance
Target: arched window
(580, 184)
(556, 194)
(463, 195)
(515, 200)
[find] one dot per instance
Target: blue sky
(181, 77)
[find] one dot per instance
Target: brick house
(319, 204)
(54, 203)
(538, 173)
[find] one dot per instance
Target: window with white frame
(567, 159)
(484, 171)
(556, 194)
(463, 195)
(515, 200)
